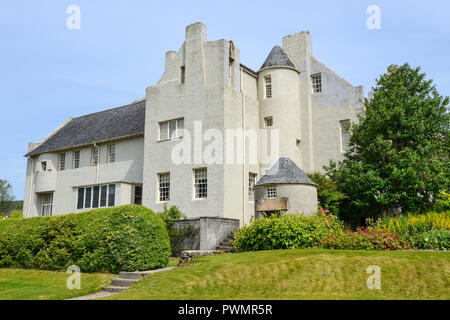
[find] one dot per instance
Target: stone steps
(113, 289)
(128, 279)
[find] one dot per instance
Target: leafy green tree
(6, 196)
(327, 192)
(399, 151)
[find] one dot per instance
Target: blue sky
(49, 73)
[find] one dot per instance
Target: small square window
(268, 122)
(271, 193)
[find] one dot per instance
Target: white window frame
(268, 94)
(164, 187)
(111, 153)
(345, 126)
(200, 183)
(95, 156)
(62, 162)
(75, 159)
(178, 132)
(268, 122)
(252, 177)
(316, 81)
(271, 192)
(46, 204)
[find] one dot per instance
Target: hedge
(126, 238)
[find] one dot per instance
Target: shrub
(125, 238)
(16, 215)
(365, 239)
(327, 192)
(442, 202)
(433, 239)
(169, 215)
(285, 231)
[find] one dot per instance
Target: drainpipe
(98, 162)
(243, 146)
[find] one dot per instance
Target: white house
(204, 137)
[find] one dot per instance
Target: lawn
(301, 274)
(16, 284)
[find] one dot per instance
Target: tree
(6, 196)
(327, 192)
(399, 151)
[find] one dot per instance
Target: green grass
(18, 284)
(301, 274)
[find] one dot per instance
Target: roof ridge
(115, 108)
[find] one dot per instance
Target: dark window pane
(138, 195)
(87, 201)
(96, 196)
(103, 196)
(80, 198)
(112, 195)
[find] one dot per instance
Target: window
(251, 186)
(201, 183)
(183, 74)
(44, 165)
(80, 198)
(96, 196)
(76, 159)
(94, 157)
(316, 82)
(345, 135)
(268, 85)
(268, 122)
(164, 187)
(103, 195)
(171, 129)
(138, 195)
(62, 161)
(47, 204)
(87, 198)
(112, 153)
(111, 195)
(271, 193)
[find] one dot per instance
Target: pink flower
(318, 201)
(327, 211)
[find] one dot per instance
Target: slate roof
(277, 57)
(284, 171)
(248, 69)
(110, 124)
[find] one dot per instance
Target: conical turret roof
(277, 57)
(284, 171)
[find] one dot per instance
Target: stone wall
(210, 231)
